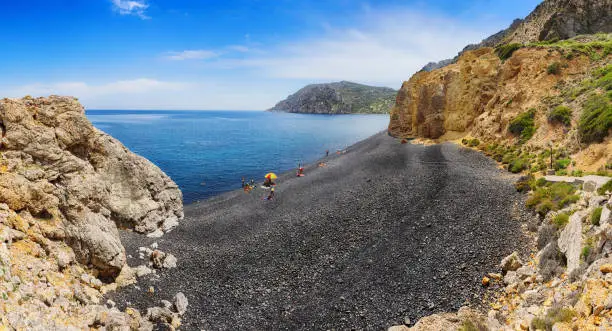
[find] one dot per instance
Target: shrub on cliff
(554, 68)
(596, 119)
(474, 142)
(518, 165)
(553, 316)
(560, 114)
(523, 126)
(561, 220)
(606, 188)
(562, 164)
(596, 215)
(505, 51)
(552, 197)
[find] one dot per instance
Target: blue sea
(207, 152)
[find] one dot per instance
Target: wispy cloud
(191, 55)
(131, 7)
(239, 48)
(386, 50)
(85, 90)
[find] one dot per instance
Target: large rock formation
(338, 98)
(563, 19)
(551, 20)
(77, 184)
(480, 94)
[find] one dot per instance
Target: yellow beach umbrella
(271, 175)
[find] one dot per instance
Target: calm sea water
(207, 152)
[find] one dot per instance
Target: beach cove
(383, 232)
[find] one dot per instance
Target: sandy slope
(383, 232)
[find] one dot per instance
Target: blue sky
(246, 54)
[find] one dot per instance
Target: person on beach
(243, 183)
(300, 171)
(271, 195)
(326, 152)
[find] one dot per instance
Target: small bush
(577, 173)
(465, 141)
(561, 220)
(554, 68)
(586, 251)
(505, 51)
(554, 315)
(523, 126)
(562, 164)
(553, 196)
(596, 119)
(541, 182)
(596, 215)
(606, 188)
(561, 114)
(474, 142)
(518, 165)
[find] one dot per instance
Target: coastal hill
(339, 98)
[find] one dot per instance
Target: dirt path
(383, 232)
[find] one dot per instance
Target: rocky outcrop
(76, 184)
(563, 19)
(338, 98)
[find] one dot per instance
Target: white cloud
(191, 55)
(85, 90)
(146, 93)
(131, 7)
(387, 49)
(239, 48)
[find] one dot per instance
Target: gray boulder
(570, 241)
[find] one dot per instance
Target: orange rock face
(479, 95)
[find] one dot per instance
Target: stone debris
(511, 262)
(180, 303)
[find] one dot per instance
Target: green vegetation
(577, 173)
(586, 251)
(596, 119)
(554, 315)
(471, 142)
(562, 164)
(596, 215)
(469, 325)
(554, 68)
(606, 188)
(596, 47)
(518, 165)
(560, 114)
(561, 220)
(505, 51)
(523, 126)
(553, 196)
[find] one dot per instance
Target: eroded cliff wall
(68, 182)
(480, 94)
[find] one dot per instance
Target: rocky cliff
(338, 98)
(482, 94)
(65, 189)
(60, 173)
(563, 19)
(551, 20)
